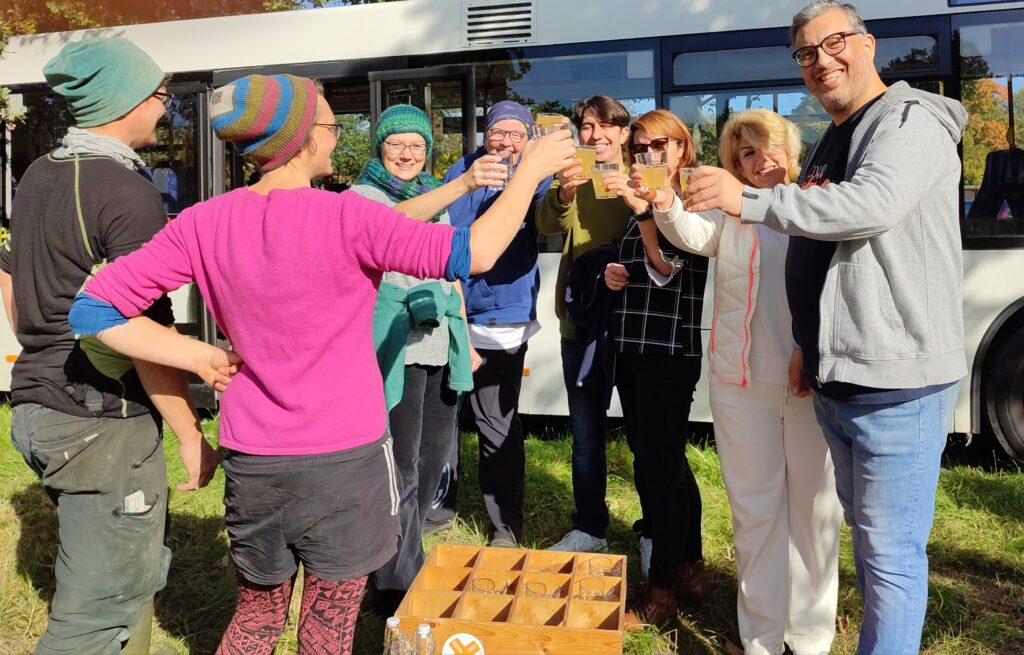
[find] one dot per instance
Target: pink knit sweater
(291, 279)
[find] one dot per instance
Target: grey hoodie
(891, 308)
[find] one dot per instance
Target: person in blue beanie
(501, 309)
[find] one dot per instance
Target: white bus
(700, 59)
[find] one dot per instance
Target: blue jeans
(588, 420)
(887, 468)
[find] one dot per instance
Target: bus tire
(1004, 392)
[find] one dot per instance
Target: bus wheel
(1004, 393)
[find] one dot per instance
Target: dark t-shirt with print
(51, 252)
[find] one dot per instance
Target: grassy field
(976, 602)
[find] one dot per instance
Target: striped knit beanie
(267, 117)
(402, 119)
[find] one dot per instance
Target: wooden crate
(514, 623)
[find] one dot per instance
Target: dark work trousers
(421, 426)
(108, 478)
(656, 393)
(494, 402)
(588, 420)
(444, 506)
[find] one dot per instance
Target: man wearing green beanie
(81, 416)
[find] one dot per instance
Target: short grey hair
(819, 7)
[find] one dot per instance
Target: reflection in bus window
(992, 64)
(706, 113)
(174, 160)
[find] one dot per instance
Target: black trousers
(494, 403)
(421, 426)
(656, 393)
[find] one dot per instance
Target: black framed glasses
(395, 149)
(513, 135)
(333, 127)
(656, 145)
(832, 44)
(165, 98)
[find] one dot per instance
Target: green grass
(976, 603)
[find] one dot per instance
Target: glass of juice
(601, 190)
(684, 177)
(587, 155)
(653, 172)
(545, 124)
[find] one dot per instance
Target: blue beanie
(402, 119)
(507, 109)
(102, 79)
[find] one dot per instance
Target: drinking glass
(545, 124)
(601, 190)
(604, 566)
(653, 172)
(587, 155)
(486, 584)
(684, 175)
(594, 588)
(540, 589)
(507, 159)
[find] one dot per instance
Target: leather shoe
(692, 582)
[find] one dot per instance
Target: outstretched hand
(488, 170)
(713, 188)
(549, 154)
(217, 366)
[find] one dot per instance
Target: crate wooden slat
(513, 623)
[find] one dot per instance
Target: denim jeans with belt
(108, 478)
(588, 420)
(886, 461)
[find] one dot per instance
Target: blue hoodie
(508, 292)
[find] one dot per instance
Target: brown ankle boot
(692, 582)
(656, 605)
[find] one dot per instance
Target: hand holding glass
(652, 169)
(601, 190)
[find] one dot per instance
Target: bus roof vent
(497, 22)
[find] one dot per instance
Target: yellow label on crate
(462, 644)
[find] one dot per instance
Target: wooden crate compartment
(429, 604)
(454, 556)
(550, 561)
(612, 587)
(508, 559)
(510, 578)
(538, 611)
(552, 581)
(436, 578)
(591, 614)
(583, 561)
(491, 608)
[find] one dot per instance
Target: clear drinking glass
(600, 566)
(587, 155)
(684, 175)
(601, 190)
(486, 584)
(545, 124)
(653, 171)
(509, 161)
(594, 588)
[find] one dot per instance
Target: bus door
(445, 93)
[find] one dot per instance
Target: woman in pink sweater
(290, 274)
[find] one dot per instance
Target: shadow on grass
(999, 495)
(198, 601)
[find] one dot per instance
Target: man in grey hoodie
(873, 277)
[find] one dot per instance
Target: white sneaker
(579, 541)
(646, 545)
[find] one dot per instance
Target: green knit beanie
(402, 119)
(102, 79)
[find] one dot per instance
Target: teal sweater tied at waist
(396, 311)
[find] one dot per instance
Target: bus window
(706, 113)
(174, 160)
(992, 90)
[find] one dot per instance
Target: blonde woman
(775, 462)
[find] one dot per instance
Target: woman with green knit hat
(420, 332)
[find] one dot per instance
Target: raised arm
(487, 169)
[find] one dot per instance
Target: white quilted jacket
(737, 273)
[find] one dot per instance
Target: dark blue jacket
(508, 292)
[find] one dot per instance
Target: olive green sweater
(588, 223)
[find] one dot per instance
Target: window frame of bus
(957, 22)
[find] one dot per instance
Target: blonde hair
(659, 121)
(762, 128)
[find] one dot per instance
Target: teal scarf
(375, 175)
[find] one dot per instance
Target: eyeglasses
(333, 127)
(656, 145)
(832, 44)
(165, 98)
(396, 149)
(513, 136)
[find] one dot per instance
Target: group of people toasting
(835, 354)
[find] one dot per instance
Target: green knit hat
(402, 119)
(102, 79)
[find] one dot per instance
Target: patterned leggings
(327, 620)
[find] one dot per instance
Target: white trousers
(785, 515)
